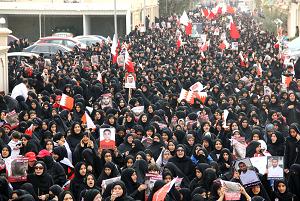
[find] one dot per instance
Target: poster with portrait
(130, 80)
(138, 111)
(106, 100)
(107, 138)
(149, 182)
(197, 29)
(235, 46)
(120, 60)
(95, 60)
(239, 147)
(17, 169)
(232, 190)
(248, 175)
(275, 167)
(12, 119)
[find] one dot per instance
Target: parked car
(47, 49)
(63, 34)
(89, 40)
(68, 42)
(21, 55)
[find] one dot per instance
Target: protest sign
(275, 167)
(107, 138)
(232, 191)
(248, 176)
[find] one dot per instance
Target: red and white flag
(29, 130)
(286, 80)
(66, 102)
(234, 32)
(178, 42)
(258, 70)
(114, 49)
(201, 96)
(183, 95)
(190, 98)
(211, 15)
(184, 19)
(86, 119)
(188, 29)
(99, 77)
(161, 194)
(205, 12)
(128, 63)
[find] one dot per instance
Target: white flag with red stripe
(184, 19)
(66, 102)
(161, 194)
(86, 119)
(183, 95)
(201, 96)
(29, 130)
(286, 80)
(114, 50)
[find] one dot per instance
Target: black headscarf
(286, 196)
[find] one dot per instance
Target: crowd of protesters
(189, 141)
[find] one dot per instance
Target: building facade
(38, 18)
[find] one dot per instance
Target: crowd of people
(191, 141)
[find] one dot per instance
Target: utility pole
(115, 18)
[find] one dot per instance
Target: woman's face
(198, 174)
(68, 197)
(273, 138)
(168, 178)
(225, 156)
(117, 190)
(166, 155)
(150, 109)
(293, 132)
(44, 126)
(26, 116)
(206, 127)
(128, 118)
(144, 118)
(245, 123)
(107, 171)
(129, 163)
(24, 141)
(234, 126)
(292, 97)
(281, 187)
(38, 169)
(122, 103)
(255, 137)
(180, 152)
(171, 146)
(108, 157)
(5, 152)
(218, 145)
(258, 149)
(90, 181)
(255, 189)
(53, 128)
(165, 136)
(33, 105)
(82, 170)
(49, 146)
(134, 177)
(77, 129)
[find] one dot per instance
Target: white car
(89, 40)
(21, 55)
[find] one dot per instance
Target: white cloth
(20, 90)
(15, 150)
